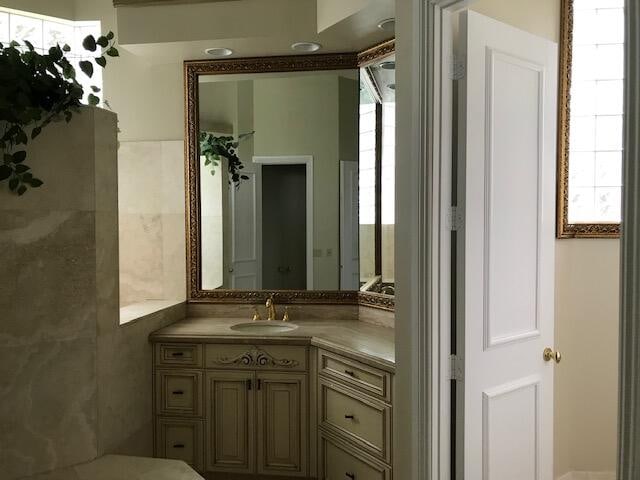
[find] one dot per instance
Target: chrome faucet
(271, 308)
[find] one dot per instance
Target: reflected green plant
(215, 148)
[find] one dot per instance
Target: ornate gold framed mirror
(290, 177)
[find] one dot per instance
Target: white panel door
(245, 202)
(349, 227)
(506, 250)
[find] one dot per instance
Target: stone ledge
(119, 467)
(141, 310)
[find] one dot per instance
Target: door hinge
(456, 368)
(458, 67)
(456, 219)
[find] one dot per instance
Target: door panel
(245, 234)
(505, 277)
(230, 423)
(282, 423)
(349, 227)
(284, 227)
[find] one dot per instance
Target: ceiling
(169, 33)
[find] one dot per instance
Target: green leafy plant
(215, 149)
(35, 90)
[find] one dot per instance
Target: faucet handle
(285, 317)
(256, 314)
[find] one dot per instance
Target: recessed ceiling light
(306, 46)
(219, 52)
(388, 65)
(391, 86)
(388, 25)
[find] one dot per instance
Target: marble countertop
(363, 341)
(119, 467)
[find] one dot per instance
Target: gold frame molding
(564, 229)
(294, 63)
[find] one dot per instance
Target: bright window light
(44, 32)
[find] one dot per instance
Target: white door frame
(423, 234)
(306, 160)
(629, 396)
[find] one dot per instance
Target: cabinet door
(282, 440)
(229, 421)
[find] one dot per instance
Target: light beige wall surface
(587, 292)
(59, 8)
(301, 116)
(540, 17)
(148, 99)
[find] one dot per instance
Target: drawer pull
(352, 476)
(351, 417)
(177, 392)
(351, 373)
(248, 384)
(178, 445)
(177, 354)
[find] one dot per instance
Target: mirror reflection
(377, 176)
(296, 180)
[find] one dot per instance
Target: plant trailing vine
(35, 90)
(215, 149)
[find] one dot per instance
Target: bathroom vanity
(313, 402)
(287, 204)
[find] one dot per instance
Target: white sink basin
(264, 327)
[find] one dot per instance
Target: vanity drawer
(339, 461)
(178, 354)
(179, 392)
(356, 417)
(179, 439)
(369, 379)
(256, 357)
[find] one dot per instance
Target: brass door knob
(549, 355)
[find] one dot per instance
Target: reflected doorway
(284, 231)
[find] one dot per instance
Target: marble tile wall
(57, 247)
(151, 216)
(74, 383)
(124, 382)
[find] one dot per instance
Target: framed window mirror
(590, 118)
(290, 174)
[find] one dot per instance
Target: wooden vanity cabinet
(255, 418)
(229, 421)
(354, 419)
(239, 411)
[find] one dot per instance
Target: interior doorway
(283, 227)
(281, 220)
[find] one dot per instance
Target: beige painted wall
(311, 124)
(148, 98)
(587, 292)
(58, 8)
(540, 17)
